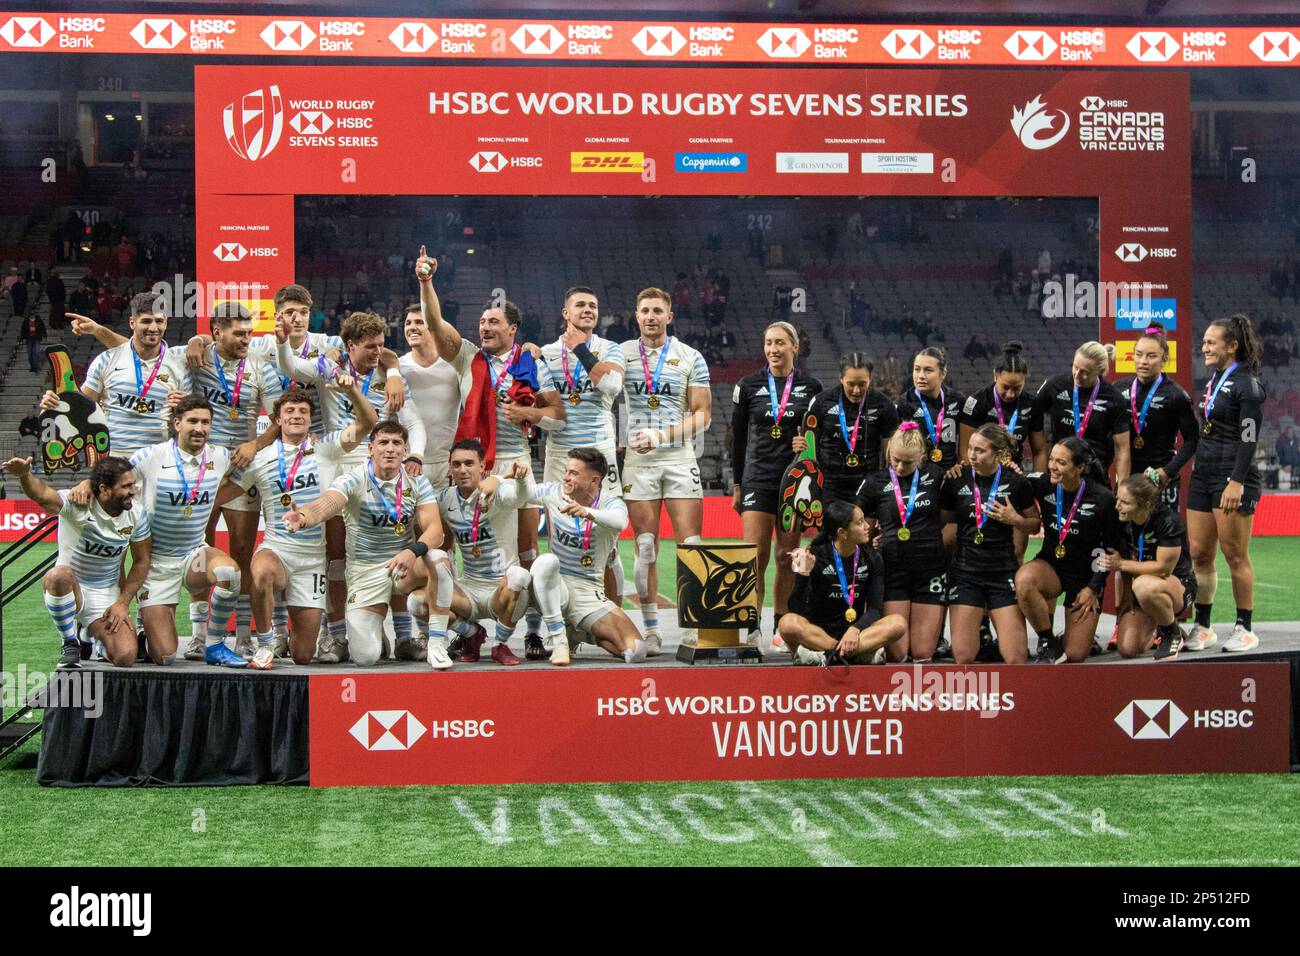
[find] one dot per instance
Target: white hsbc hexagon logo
(787, 42)
(229, 251)
(1131, 252)
(387, 730)
(907, 44)
(1273, 46)
(158, 34)
(537, 38)
(1152, 46)
(413, 37)
(311, 122)
(1091, 104)
(1151, 719)
(659, 41)
(27, 32)
(288, 36)
(1033, 45)
(488, 162)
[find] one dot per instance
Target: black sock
(1203, 614)
(1168, 631)
(1243, 617)
(1045, 634)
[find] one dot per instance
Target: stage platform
(600, 719)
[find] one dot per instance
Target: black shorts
(1206, 488)
(758, 498)
(918, 586)
(1172, 494)
(1071, 586)
(992, 591)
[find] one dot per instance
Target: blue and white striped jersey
(260, 389)
(458, 517)
(590, 423)
(112, 374)
(268, 471)
(568, 534)
(92, 543)
(163, 486)
(683, 368)
(368, 513)
(315, 345)
(511, 442)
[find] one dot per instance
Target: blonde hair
(1099, 355)
(907, 439)
(785, 327)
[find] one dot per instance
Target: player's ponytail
(1156, 333)
(1240, 331)
(856, 360)
(1011, 360)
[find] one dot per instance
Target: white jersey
(171, 489)
(269, 473)
(92, 542)
(112, 375)
(570, 540)
(511, 442)
(458, 515)
(434, 392)
(234, 412)
(369, 513)
(683, 368)
(590, 422)
(314, 346)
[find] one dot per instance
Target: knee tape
(445, 583)
(365, 637)
(645, 558)
(228, 577)
(336, 570)
(692, 539)
(518, 578)
(546, 586)
(529, 555)
(417, 606)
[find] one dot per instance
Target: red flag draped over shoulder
(479, 419)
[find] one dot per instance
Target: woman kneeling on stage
(839, 593)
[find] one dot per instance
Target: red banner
(770, 723)
(604, 40)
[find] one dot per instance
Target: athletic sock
(650, 616)
(1243, 617)
(534, 619)
(63, 609)
(1168, 631)
(462, 627)
(198, 618)
(280, 619)
(265, 638)
(338, 630)
(438, 626)
(504, 632)
(220, 606)
(243, 615)
(1203, 614)
(555, 631)
(401, 626)
(1045, 634)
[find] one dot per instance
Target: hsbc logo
(287, 36)
(387, 730)
(1273, 46)
(311, 122)
(1033, 123)
(1091, 104)
(784, 42)
(907, 44)
(229, 251)
(27, 32)
(537, 39)
(659, 41)
(488, 162)
(158, 34)
(1131, 252)
(1152, 46)
(1030, 45)
(253, 127)
(1151, 719)
(413, 37)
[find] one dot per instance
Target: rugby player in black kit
(1159, 411)
(850, 424)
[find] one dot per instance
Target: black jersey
(980, 409)
(1093, 530)
(1053, 414)
(923, 548)
(1163, 529)
(909, 409)
(1169, 415)
(879, 421)
(1235, 419)
(757, 458)
(996, 550)
(819, 597)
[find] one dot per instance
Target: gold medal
(399, 528)
(142, 407)
(1138, 442)
(187, 511)
(234, 414)
(476, 551)
(979, 537)
(936, 455)
(850, 615)
(587, 561)
(575, 398)
(1060, 550)
(904, 533)
(286, 501)
(653, 401)
(1206, 428)
(776, 431)
(851, 461)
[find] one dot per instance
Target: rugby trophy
(799, 497)
(76, 426)
(717, 594)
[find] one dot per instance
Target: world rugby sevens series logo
(253, 128)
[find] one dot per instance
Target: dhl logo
(606, 162)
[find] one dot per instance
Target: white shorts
(369, 583)
(480, 594)
(94, 602)
(583, 603)
(167, 578)
(671, 473)
(248, 501)
(557, 460)
(304, 572)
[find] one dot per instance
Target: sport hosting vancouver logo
(1034, 122)
(253, 128)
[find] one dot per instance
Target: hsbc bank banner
(614, 724)
(245, 242)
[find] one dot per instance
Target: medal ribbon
(848, 590)
(577, 526)
(980, 516)
(189, 496)
(478, 513)
(574, 380)
(932, 428)
(1063, 523)
(397, 514)
(505, 367)
(652, 381)
(904, 512)
(1140, 420)
(778, 410)
(997, 404)
(850, 442)
(1212, 396)
(231, 398)
(1079, 429)
(141, 385)
(286, 480)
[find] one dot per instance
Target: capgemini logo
(253, 127)
(1034, 120)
